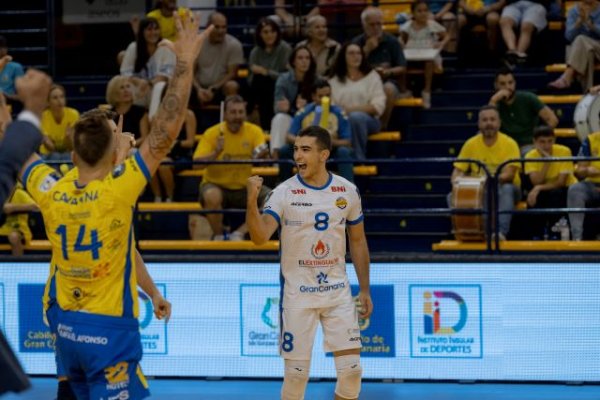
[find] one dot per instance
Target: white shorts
(526, 11)
(298, 328)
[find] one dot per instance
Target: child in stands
(424, 33)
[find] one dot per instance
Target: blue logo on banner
(445, 321)
(34, 335)
(259, 320)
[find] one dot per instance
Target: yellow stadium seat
(361, 170)
(34, 245)
(409, 102)
(386, 137)
(561, 99)
(174, 206)
(520, 245)
(192, 245)
(565, 132)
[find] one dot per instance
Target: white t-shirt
(367, 90)
(424, 38)
(313, 239)
(161, 63)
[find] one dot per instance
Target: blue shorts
(99, 354)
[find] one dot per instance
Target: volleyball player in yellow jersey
(92, 306)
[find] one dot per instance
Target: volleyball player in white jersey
(314, 209)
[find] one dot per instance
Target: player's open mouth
(301, 166)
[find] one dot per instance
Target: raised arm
(260, 227)
(168, 121)
(23, 136)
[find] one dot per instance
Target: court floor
(184, 389)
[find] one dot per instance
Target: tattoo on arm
(170, 116)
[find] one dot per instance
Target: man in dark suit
(19, 139)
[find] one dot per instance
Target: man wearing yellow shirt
(91, 299)
(224, 186)
(492, 148)
(585, 193)
(164, 14)
(16, 227)
(550, 180)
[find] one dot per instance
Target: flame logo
(320, 250)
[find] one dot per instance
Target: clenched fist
(253, 186)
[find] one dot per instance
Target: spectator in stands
(9, 72)
(585, 193)
(163, 13)
(550, 180)
(119, 96)
(217, 65)
(16, 226)
(443, 13)
(268, 59)
(528, 16)
(323, 48)
(583, 32)
(383, 53)
(181, 154)
(146, 62)
(224, 186)
(289, 22)
(520, 111)
(334, 120)
(492, 148)
(358, 89)
(57, 126)
(424, 33)
(292, 90)
(481, 12)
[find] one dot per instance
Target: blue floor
(43, 389)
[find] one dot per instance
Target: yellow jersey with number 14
(90, 230)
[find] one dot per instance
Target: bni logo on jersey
(152, 331)
(445, 321)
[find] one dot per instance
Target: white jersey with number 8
(312, 224)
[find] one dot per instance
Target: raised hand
(189, 40)
(253, 186)
(125, 142)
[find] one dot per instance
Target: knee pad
(295, 379)
(349, 374)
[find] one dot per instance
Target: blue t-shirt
(8, 75)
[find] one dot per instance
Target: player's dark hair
(92, 135)
(543, 131)
(323, 137)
